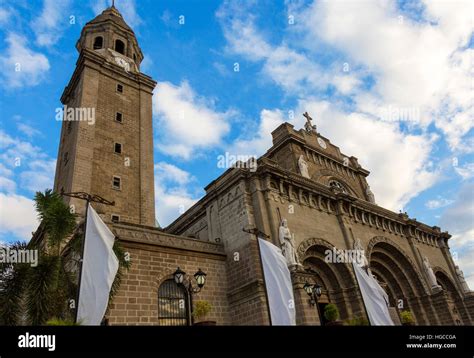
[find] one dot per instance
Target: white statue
(460, 275)
(361, 253)
(430, 274)
(303, 167)
(287, 245)
(370, 195)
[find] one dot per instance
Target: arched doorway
(397, 274)
(173, 305)
(336, 278)
(454, 300)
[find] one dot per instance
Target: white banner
(375, 298)
(99, 268)
(278, 283)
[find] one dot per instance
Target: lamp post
(314, 292)
(182, 279)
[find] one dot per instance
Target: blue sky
(388, 82)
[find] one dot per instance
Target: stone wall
(154, 257)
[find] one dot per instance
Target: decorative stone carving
(431, 276)
(461, 278)
(370, 195)
(303, 167)
(287, 244)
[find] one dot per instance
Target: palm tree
(34, 295)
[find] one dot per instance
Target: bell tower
(106, 143)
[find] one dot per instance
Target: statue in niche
(287, 244)
(430, 274)
(369, 194)
(460, 275)
(303, 167)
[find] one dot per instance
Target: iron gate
(173, 305)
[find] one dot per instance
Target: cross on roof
(309, 125)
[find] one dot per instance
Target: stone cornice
(356, 209)
(89, 58)
(146, 235)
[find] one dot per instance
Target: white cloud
(39, 176)
(399, 163)
(425, 65)
(438, 203)
(290, 69)
(28, 130)
(7, 185)
(34, 170)
(6, 16)
(459, 220)
(186, 121)
(466, 171)
(17, 217)
(21, 66)
(259, 143)
(170, 172)
(4, 171)
(50, 24)
(172, 195)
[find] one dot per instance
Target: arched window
(134, 58)
(98, 42)
(120, 46)
(336, 184)
(173, 305)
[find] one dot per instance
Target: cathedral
(303, 184)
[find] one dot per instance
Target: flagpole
(88, 198)
(257, 232)
(360, 291)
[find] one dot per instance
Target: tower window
(118, 148)
(115, 218)
(134, 58)
(118, 117)
(98, 42)
(66, 158)
(117, 183)
(120, 46)
(69, 126)
(119, 88)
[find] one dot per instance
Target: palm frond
(12, 278)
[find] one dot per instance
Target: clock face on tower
(322, 143)
(122, 63)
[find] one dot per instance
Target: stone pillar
(306, 313)
(443, 307)
(469, 303)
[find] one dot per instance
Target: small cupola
(109, 31)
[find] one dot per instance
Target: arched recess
(394, 268)
(336, 279)
(448, 285)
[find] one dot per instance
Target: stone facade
(327, 204)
